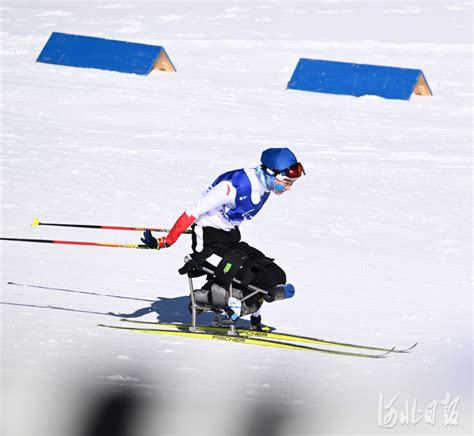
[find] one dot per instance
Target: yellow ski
(244, 340)
(269, 335)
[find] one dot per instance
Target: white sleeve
(222, 194)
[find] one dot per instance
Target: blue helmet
(278, 163)
(278, 158)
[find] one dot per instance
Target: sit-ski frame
(195, 307)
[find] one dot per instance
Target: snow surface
(377, 237)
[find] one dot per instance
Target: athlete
(234, 197)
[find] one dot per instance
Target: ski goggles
(293, 172)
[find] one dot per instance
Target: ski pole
(95, 244)
(37, 222)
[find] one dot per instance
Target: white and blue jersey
(232, 198)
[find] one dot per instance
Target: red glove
(162, 243)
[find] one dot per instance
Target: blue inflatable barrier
(358, 79)
(104, 54)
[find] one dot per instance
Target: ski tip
(36, 222)
(405, 350)
(409, 350)
(386, 353)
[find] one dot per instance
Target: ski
(271, 335)
(245, 340)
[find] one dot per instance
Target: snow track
(377, 238)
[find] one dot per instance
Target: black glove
(151, 242)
